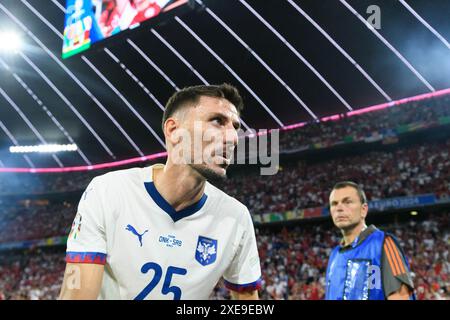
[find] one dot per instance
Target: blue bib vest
(355, 274)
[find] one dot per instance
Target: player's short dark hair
(191, 95)
(357, 187)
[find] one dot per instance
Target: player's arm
(243, 276)
(396, 275)
(252, 295)
(82, 281)
(86, 247)
(404, 293)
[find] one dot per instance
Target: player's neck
(178, 186)
(351, 234)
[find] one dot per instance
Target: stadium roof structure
(294, 61)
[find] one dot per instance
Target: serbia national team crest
(206, 251)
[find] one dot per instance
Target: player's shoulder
(119, 177)
(391, 240)
(388, 236)
(227, 203)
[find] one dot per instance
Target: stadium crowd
(293, 261)
(326, 133)
(303, 257)
(31, 275)
(418, 169)
(364, 125)
(29, 184)
(31, 221)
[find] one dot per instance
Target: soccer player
(369, 263)
(165, 232)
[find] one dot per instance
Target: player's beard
(209, 173)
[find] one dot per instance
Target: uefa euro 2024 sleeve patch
(206, 251)
(76, 226)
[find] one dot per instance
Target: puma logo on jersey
(137, 234)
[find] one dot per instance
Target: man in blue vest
(369, 263)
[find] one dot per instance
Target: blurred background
(360, 91)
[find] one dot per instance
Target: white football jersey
(151, 251)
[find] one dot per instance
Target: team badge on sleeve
(76, 226)
(206, 251)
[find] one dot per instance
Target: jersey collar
(359, 239)
(164, 205)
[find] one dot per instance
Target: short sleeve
(86, 242)
(244, 272)
(395, 271)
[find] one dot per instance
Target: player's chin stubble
(348, 226)
(209, 173)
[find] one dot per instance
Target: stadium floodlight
(44, 148)
(10, 41)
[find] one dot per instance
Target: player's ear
(170, 130)
(364, 210)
